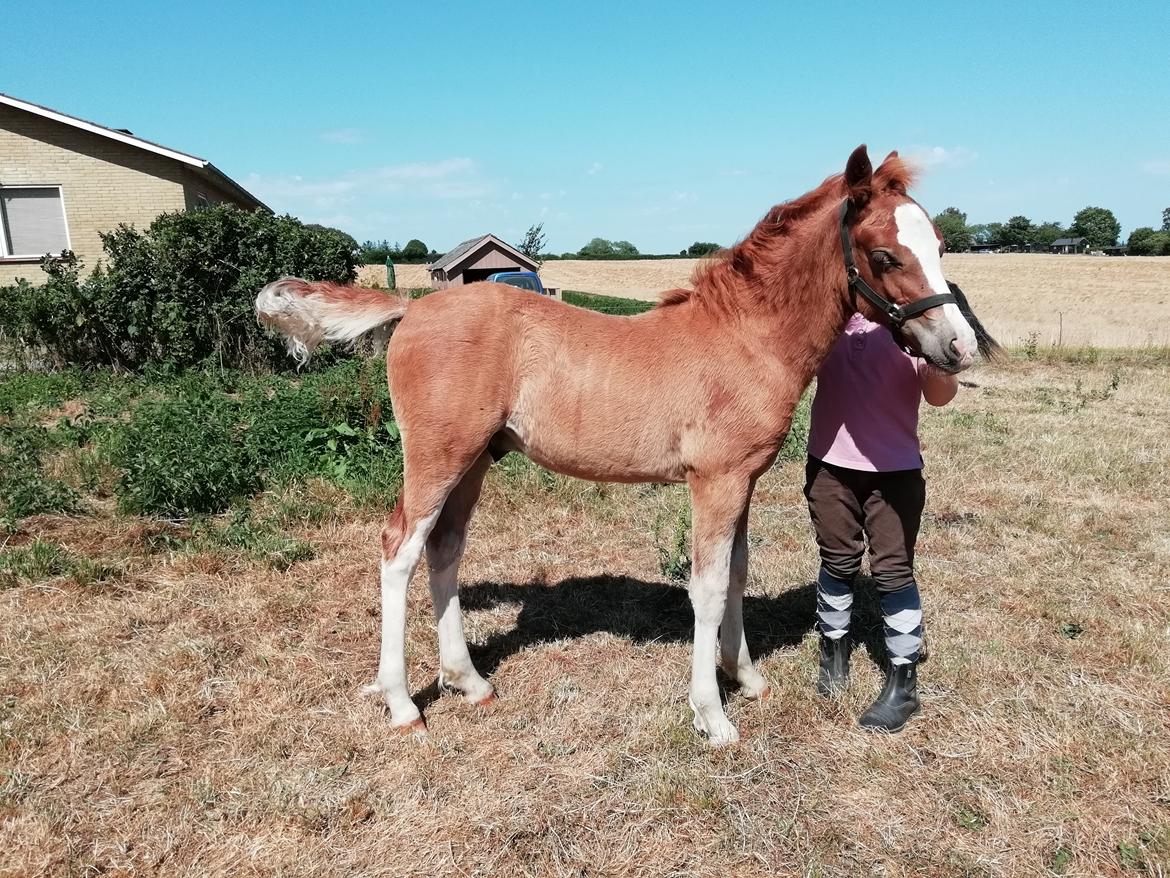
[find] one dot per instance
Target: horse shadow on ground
(647, 612)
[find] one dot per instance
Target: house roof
(473, 244)
(1068, 242)
(202, 167)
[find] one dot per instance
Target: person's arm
(938, 387)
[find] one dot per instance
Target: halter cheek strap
(897, 314)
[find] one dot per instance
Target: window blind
(34, 220)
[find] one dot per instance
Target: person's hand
(938, 387)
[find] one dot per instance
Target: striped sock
(902, 617)
(834, 604)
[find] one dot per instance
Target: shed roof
(201, 166)
(1068, 242)
(452, 257)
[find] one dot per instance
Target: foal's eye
(883, 259)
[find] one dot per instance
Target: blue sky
(658, 123)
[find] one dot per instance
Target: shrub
(177, 294)
(795, 445)
(183, 454)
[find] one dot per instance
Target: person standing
(864, 483)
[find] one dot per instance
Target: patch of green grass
(970, 817)
(255, 540)
(1062, 857)
(995, 429)
(674, 556)
(36, 562)
(606, 304)
(1079, 397)
(1149, 852)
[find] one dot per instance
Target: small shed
(1070, 245)
(475, 260)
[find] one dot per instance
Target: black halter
(898, 314)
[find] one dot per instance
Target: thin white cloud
(344, 135)
(447, 178)
(943, 156)
(595, 168)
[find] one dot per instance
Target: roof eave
(224, 181)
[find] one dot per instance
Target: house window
(32, 221)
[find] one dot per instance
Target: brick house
(64, 180)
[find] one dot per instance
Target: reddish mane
(722, 281)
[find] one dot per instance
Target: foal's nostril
(953, 348)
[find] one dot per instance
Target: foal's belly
(611, 455)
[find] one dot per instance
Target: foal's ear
(859, 175)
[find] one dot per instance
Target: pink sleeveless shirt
(865, 412)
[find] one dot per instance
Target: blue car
(525, 280)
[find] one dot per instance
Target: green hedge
(177, 294)
(606, 304)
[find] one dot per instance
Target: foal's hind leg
(717, 505)
(733, 648)
(444, 552)
(403, 537)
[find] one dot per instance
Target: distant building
(474, 260)
(63, 181)
(1070, 245)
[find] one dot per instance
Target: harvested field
(1074, 300)
(196, 712)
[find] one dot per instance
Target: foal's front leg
(717, 505)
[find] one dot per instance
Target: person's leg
(836, 512)
(893, 513)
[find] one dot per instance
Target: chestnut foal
(700, 389)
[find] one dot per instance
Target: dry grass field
(197, 713)
(1074, 300)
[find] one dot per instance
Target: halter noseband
(898, 314)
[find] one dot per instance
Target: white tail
(308, 313)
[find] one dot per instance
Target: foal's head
(898, 252)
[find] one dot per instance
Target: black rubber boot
(834, 673)
(897, 702)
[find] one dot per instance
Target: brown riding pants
(849, 507)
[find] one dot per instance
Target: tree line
(1097, 225)
(532, 246)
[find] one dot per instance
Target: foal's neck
(793, 292)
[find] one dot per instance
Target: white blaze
(916, 234)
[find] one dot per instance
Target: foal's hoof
(487, 700)
(763, 696)
(414, 727)
(718, 728)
